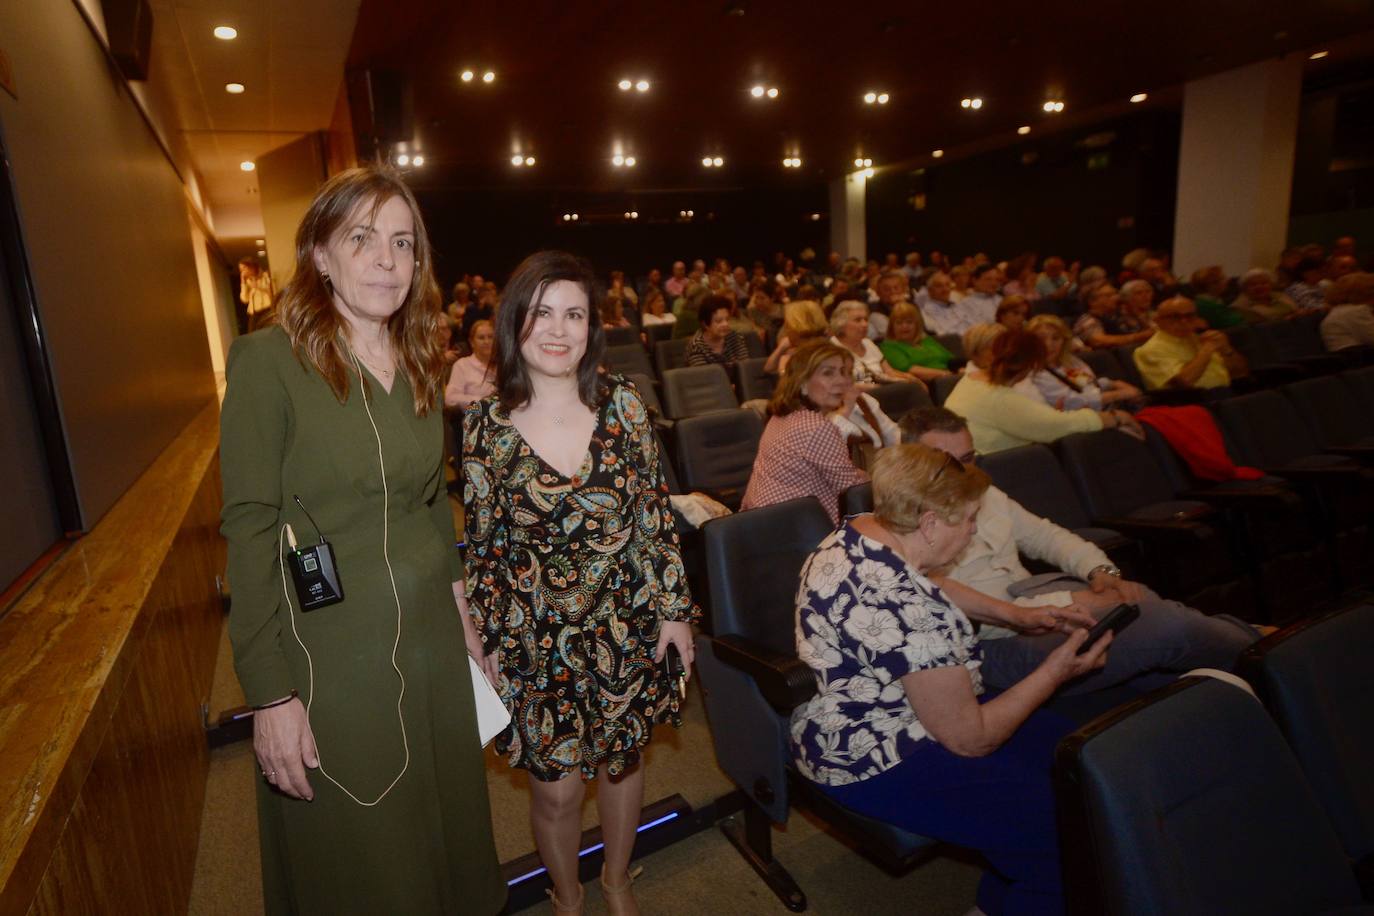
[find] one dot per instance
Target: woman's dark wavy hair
(523, 293)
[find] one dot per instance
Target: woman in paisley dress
(897, 729)
(575, 576)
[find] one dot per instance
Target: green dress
(427, 846)
(929, 353)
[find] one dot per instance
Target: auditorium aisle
(700, 875)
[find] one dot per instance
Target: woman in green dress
(577, 581)
(373, 795)
(908, 348)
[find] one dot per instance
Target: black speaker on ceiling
(382, 106)
(129, 28)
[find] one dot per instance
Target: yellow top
(1160, 358)
(1001, 418)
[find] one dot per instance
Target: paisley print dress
(568, 579)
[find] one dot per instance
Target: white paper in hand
(492, 715)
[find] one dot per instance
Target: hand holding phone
(1117, 619)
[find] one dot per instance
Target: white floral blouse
(864, 619)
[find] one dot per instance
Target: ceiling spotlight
(973, 103)
(634, 214)
(260, 242)
(815, 217)
(642, 86)
(248, 165)
(233, 88)
(865, 162)
(617, 160)
(529, 160)
(625, 85)
(417, 160)
(691, 213)
(567, 217)
(1317, 55)
(1053, 106)
(868, 173)
(627, 214)
(936, 153)
(1023, 129)
(226, 32)
(682, 214)
(489, 77)
(466, 76)
(517, 160)
(574, 216)
(630, 161)
(717, 162)
(757, 92)
(262, 253)
(772, 92)
(882, 98)
(858, 163)
(706, 161)
(1139, 97)
(870, 98)
(402, 159)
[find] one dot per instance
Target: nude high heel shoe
(620, 898)
(572, 909)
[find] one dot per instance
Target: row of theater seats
(1186, 801)
(1277, 546)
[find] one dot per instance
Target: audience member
(1154, 270)
(676, 285)
(802, 452)
(977, 342)
(912, 268)
(908, 348)
(1259, 301)
(802, 320)
(1104, 326)
(763, 312)
(474, 376)
(1012, 312)
(941, 313)
(849, 329)
(892, 289)
(1021, 278)
(256, 292)
(653, 310)
(1001, 416)
(1137, 298)
(715, 341)
(864, 425)
(613, 313)
(1168, 639)
(1089, 279)
(462, 298)
(983, 299)
(1055, 282)
(445, 335)
(1306, 292)
(1209, 286)
(959, 278)
(484, 309)
(1184, 354)
(687, 308)
(1067, 382)
(1350, 322)
(652, 280)
(897, 730)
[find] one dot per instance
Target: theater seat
(629, 358)
(715, 453)
(898, 398)
(1188, 802)
(1123, 488)
(1267, 368)
(1317, 681)
(670, 354)
(1333, 413)
(752, 680)
(752, 381)
(941, 387)
(954, 343)
(1299, 340)
(696, 390)
(618, 337)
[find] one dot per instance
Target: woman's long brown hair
(305, 308)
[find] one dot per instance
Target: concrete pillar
(847, 214)
(288, 178)
(1235, 166)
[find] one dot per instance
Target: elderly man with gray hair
(1183, 353)
(1259, 301)
(1350, 323)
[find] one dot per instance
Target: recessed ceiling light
(1139, 97)
(403, 159)
(772, 92)
(634, 214)
(262, 253)
(260, 242)
(529, 160)
(617, 160)
(466, 76)
(226, 32)
(1023, 129)
(248, 165)
(757, 92)
(706, 161)
(488, 76)
(859, 163)
(574, 216)
(1317, 55)
(868, 173)
(417, 160)
(974, 103)
(870, 98)
(815, 217)
(517, 160)
(625, 85)
(233, 88)
(717, 162)
(627, 214)
(936, 153)
(1053, 106)
(867, 162)
(882, 98)
(691, 213)
(567, 217)
(642, 86)
(630, 161)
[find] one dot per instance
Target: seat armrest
(1364, 454)
(784, 680)
(1314, 475)
(1258, 499)
(1181, 532)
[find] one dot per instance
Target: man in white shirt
(941, 314)
(982, 301)
(1168, 639)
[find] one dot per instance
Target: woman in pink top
(473, 377)
(802, 453)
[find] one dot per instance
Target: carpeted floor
(700, 875)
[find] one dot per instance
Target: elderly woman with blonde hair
(802, 320)
(908, 348)
(1066, 381)
(900, 728)
(849, 329)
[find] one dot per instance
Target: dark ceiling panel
(557, 64)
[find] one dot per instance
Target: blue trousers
(1001, 805)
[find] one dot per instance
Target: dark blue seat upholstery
(670, 354)
(1317, 680)
(695, 390)
(1332, 411)
(629, 358)
(752, 679)
(752, 381)
(1189, 802)
(715, 453)
(898, 398)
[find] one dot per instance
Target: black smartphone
(1117, 619)
(672, 664)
